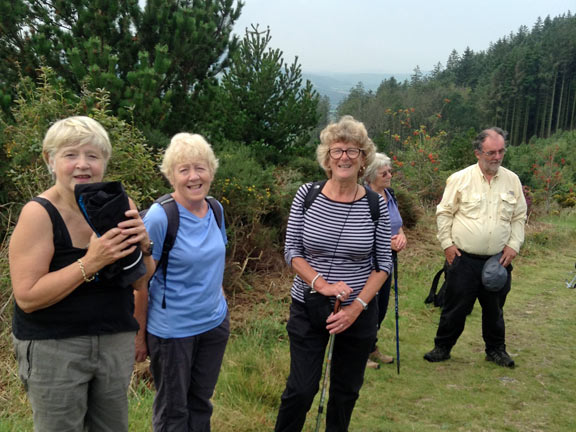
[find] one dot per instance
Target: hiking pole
(395, 261)
(572, 283)
(326, 371)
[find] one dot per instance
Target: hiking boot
(438, 354)
(378, 357)
(500, 357)
(372, 364)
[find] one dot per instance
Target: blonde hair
(380, 161)
(75, 132)
(347, 130)
(187, 147)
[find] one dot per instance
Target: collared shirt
(482, 217)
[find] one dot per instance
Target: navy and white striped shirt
(336, 239)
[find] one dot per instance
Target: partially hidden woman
(185, 311)
(332, 247)
(378, 177)
(73, 331)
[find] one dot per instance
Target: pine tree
(263, 100)
(155, 62)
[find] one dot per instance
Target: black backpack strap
(432, 294)
(374, 204)
(216, 209)
(312, 194)
(173, 216)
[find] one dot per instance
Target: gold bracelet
(83, 270)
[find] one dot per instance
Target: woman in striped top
(335, 248)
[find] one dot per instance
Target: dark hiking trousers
(463, 287)
(185, 372)
(307, 353)
(383, 299)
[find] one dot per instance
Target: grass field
(465, 393)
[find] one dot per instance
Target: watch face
(150, 249)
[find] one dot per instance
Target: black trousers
(185, 372)
(307, 352)
(383, 299)
(463, 287)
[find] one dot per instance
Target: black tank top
(93, 308)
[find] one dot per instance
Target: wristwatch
(362, 302)
(149, 250)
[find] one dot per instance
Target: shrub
(246, 190)
(418, 166)
(38, 106)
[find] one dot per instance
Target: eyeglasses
(490, 154)
(352, 153)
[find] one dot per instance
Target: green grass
(465, 393)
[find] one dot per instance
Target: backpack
(171, 208)
(373, 203)
(437, 298)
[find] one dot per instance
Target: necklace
(334, 196)
(341, 231)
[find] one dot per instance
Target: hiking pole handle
(337, 305)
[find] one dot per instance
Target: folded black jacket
(103, 206)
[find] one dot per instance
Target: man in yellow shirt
(482, 213)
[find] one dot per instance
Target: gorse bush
(245, 190)
(132, 162)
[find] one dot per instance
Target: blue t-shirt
(395, 218)
(195, 302)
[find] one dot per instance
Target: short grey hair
(490, 132)
(75, 131)
(380, 161)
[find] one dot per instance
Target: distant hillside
(337, 85)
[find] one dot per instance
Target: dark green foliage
(263, 101)
(132, 161)
(409, 208)
(158, 60)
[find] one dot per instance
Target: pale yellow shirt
(480, 217)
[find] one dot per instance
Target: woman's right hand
(105, 250)
(339, 289)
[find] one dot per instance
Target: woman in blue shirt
(185, 311)
(378, 177)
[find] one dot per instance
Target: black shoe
(500, 357)
(438, 354)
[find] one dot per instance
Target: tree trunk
(560, 103)
(553, 96)
(525, 122)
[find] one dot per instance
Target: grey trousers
(185, 372)
(78, 384)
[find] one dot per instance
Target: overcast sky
(383, 36)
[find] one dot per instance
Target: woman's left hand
(344, 318)
(398, 242)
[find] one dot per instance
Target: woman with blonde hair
(184, 310)
(73, 329)
(333, 245)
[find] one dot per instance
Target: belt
(476, 257)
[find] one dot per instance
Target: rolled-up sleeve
(518, 220)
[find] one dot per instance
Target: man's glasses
(352, 153)
(501, 152)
